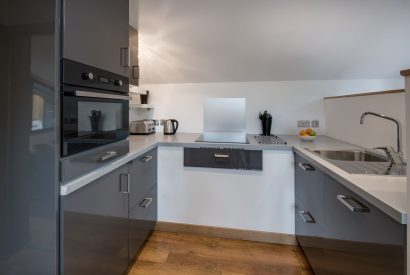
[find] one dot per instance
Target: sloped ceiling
(272, 40)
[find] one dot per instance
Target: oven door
(92, 118)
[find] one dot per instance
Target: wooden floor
(172, 253)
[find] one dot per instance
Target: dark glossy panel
(95, 31)
(142, 221)
(82, 163)
(28, 184)
(309, 211)
(95, 227)
(143, 172)
(223, 158)
(361, 242)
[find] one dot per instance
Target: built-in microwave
(95, 108)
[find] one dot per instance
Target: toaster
(142, 127)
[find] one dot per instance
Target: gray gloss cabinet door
(142, 221)
(143, 171)
(363, 241)
(95, 227)
(95, 32)
(309, 211)
(28, 139)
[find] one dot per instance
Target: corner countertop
(388, 193)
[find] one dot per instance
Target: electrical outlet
(303, 123)
(315, 123)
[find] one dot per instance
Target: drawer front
(223, 158)
(309, 186)
(142, 221)
(82, 163)
(358, 234)
(144, 176)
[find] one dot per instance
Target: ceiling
(185, 41)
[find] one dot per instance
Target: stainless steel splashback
(225, 120)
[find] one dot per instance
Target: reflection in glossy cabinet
(143, 217)
(309, 211)
(360, 239)
(28, 139)
(95, 226)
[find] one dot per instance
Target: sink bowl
(351, 155)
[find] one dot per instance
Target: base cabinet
(95, 227)
(105, 223)
(142, 221)
(342, 233)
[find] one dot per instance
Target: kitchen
(132, 137)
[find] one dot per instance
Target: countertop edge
(387, 209)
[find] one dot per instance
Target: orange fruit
(309, 130)
(303, 133)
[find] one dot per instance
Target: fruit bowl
(307, 138)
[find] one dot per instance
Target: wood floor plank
(172, 253)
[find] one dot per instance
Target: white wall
(343, 117)
(288, 101)
(250, 200)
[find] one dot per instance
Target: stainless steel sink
(361, 162)
(352, 155)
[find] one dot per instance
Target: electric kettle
(170, 126)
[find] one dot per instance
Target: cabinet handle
(146, 202)
(306, 217)
(127, 183)
(221, 156)
(306, 166)
(125, 57)
(109, 154)
(359, 207)
(146, 159)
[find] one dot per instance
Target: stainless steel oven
(95, 106)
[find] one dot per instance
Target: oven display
(103, 80)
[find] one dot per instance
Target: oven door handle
(101, 95)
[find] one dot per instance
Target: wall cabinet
(134, 69)
(339, 231)
(95, 33)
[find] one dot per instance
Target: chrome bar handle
(306, 217)
(361, 208)
(221, 156)
(146, 159)
(125, 57)
(101, 95)
(128, 183)
(109, 155)
(146, 202)
(306, 166)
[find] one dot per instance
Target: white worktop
(388, 193)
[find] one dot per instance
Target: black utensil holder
(266, 126)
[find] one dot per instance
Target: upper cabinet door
(95, 32)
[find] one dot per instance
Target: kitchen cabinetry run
(95, 226)
(142, 200)
(339, 231)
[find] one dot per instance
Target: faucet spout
(396, 121)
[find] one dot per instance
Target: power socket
(315, 123)
(303, 123)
